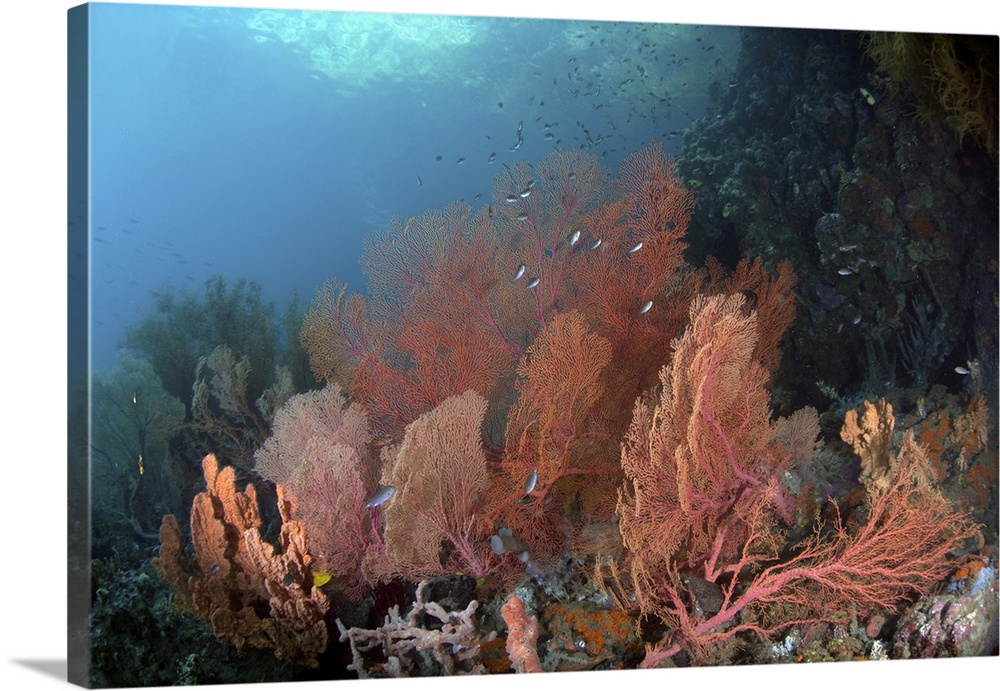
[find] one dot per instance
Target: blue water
(266, 144)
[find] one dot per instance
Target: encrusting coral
(236, 576)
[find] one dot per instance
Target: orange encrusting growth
(583, 629)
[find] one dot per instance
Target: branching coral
(954, 76)
(703, 457)
(404, 646)
(703, 501)
(555, 434)
(220, 406)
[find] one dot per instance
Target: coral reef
(490, 436)
(251, 594)
(511, 400)
(455, 312)
(577, 428)
(690, 490)
(883, 216)
(722, 531)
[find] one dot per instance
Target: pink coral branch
(902, 548)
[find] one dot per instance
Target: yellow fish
(321, 578)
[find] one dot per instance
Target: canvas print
(410, 345)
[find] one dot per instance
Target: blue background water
(266, 144)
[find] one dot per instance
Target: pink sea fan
(318, 452)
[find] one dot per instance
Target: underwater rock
(950, 625)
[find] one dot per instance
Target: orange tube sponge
(522, 636)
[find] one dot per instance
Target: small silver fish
(646, 306)
(520, 272)
(635, 248)
(522, 217)
(214, 570)
(847, 248)
(856, 320)
(534, 283)
(962, 370)
(529, 485)
(511, 198)
(845, 271)
(574, 238)
(525, 192)
(597, 243)
(380, 497)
